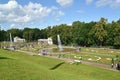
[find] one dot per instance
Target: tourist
(112, 61)
(118, 66)
(112, 65)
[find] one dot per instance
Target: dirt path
(104, 66)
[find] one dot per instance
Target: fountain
(59, 46)
(59, 43)
(11, 43)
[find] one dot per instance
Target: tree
(109, 38)
(99, 31)
(36, 34)
(27, 34)
(64, 31)
(44, 33)
(116, 32)
(77, 34)
(3, 36)
(88, 38)
(14, 32)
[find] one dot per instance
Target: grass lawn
(20, 66)
(101, 51)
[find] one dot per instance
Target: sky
(43, 13)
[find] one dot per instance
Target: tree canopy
(99, 33)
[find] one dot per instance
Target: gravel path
(104, 66)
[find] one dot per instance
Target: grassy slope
(19, 66)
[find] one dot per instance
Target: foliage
(99, 33)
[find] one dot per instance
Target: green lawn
(98, 55)
(101, 51)
(20, 66)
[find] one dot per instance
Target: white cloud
(57, 19)
(110, 3)
(89, 2)
(80, 11)
(100, 3)
(57, 15)
(60, 13)
(14, 12)
(13, 26)
(70, 24)
(116, 4)
(36, 11)
(65, 3)
(17, 26)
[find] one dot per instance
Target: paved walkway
(104, 66)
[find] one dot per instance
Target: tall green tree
(14, 32)
(27, 34)
(110, 34)
(77, 34)
(64, 31)
(36, 34)
(88, 39)
(116, 32)
(99, 31)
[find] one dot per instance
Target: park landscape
(79, 43)
(28, 65)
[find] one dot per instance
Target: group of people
(117, 65)
(115, 62)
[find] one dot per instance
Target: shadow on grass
(56, 66)
(4, 58)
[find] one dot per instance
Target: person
(112, 63)
(118, 66)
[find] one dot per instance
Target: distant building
(50, 42)
(17, 39)
(45, 41)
